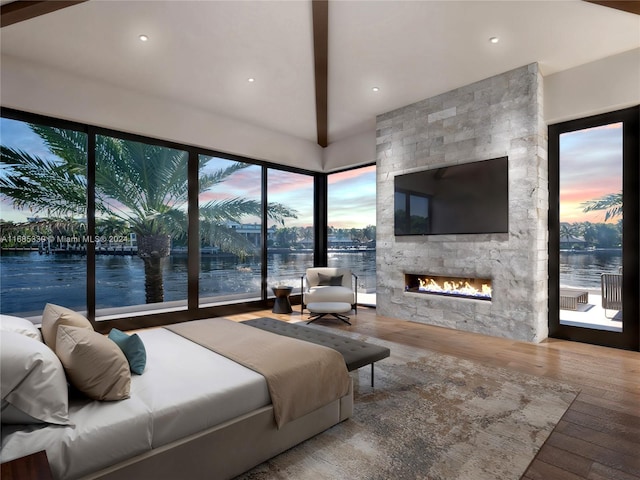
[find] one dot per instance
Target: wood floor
(598, 438)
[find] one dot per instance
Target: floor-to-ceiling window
(230, 210)
(124, 227)
(594, 229)
(43, 218)
(591, 226)
(351, 213)
(141, 226)
(290, 227)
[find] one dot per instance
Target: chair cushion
(329, 307)
(329, 294)
(313, 275)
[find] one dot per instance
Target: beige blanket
(301, 376)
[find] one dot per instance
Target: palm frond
(612, 203)
(41, 184)
(229, 210)
(70, 145)
(208, 180)
(234, 209)
(226, 238)
(279, 212)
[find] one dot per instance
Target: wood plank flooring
(598, 438)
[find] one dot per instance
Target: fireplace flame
(454, 288)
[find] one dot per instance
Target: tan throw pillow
(94, 364)
(54, 316)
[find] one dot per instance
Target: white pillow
(14, 416)
(9, 323)
(32, 379)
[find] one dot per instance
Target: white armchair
(329, 284)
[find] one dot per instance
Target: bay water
(29, 280)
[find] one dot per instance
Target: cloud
(590, 168)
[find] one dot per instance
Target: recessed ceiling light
(143, 38)
(251, 80)
(494, 39)
(375, 89)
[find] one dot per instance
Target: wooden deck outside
(598, 438)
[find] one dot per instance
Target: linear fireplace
(461, 287)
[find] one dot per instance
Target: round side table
(282, 303)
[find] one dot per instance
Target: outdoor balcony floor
(592, 315)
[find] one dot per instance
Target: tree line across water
(583, 235)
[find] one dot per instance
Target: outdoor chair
(329, 285)
(611, 284)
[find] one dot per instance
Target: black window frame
(193, 310)
(629, 338)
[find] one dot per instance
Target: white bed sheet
(184, 389)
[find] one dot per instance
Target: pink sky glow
(590, 168)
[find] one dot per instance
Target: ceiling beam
(320, 13)
(631, 6)
(19, 11)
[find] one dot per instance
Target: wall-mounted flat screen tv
(465, 198)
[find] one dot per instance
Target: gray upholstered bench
(356, 353)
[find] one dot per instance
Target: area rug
(430, 416)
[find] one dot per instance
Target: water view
(141, 196)
(591, 214)
(30, 280)
(583, 269)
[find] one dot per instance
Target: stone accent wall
(496, 117)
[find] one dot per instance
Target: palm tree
(143, 185)
(612, 203)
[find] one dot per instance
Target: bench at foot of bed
(356, 353)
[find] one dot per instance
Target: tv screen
(466, 198)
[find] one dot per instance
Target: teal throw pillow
(133, 349)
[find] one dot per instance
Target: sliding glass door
(594, 229)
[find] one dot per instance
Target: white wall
(602, 86)
(43, 90)
(356, 150)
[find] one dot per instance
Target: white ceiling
(201, 53)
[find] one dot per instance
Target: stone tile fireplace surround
(496, 117)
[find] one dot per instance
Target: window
(43, 218)
(593, 229)
(290, 238)
(230, 210)
(99, 221)
(351, 213)
(141, 226)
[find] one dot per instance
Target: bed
(193, 413)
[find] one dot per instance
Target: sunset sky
(352, 194)
(590, 168)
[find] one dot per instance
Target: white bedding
(184, 389)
